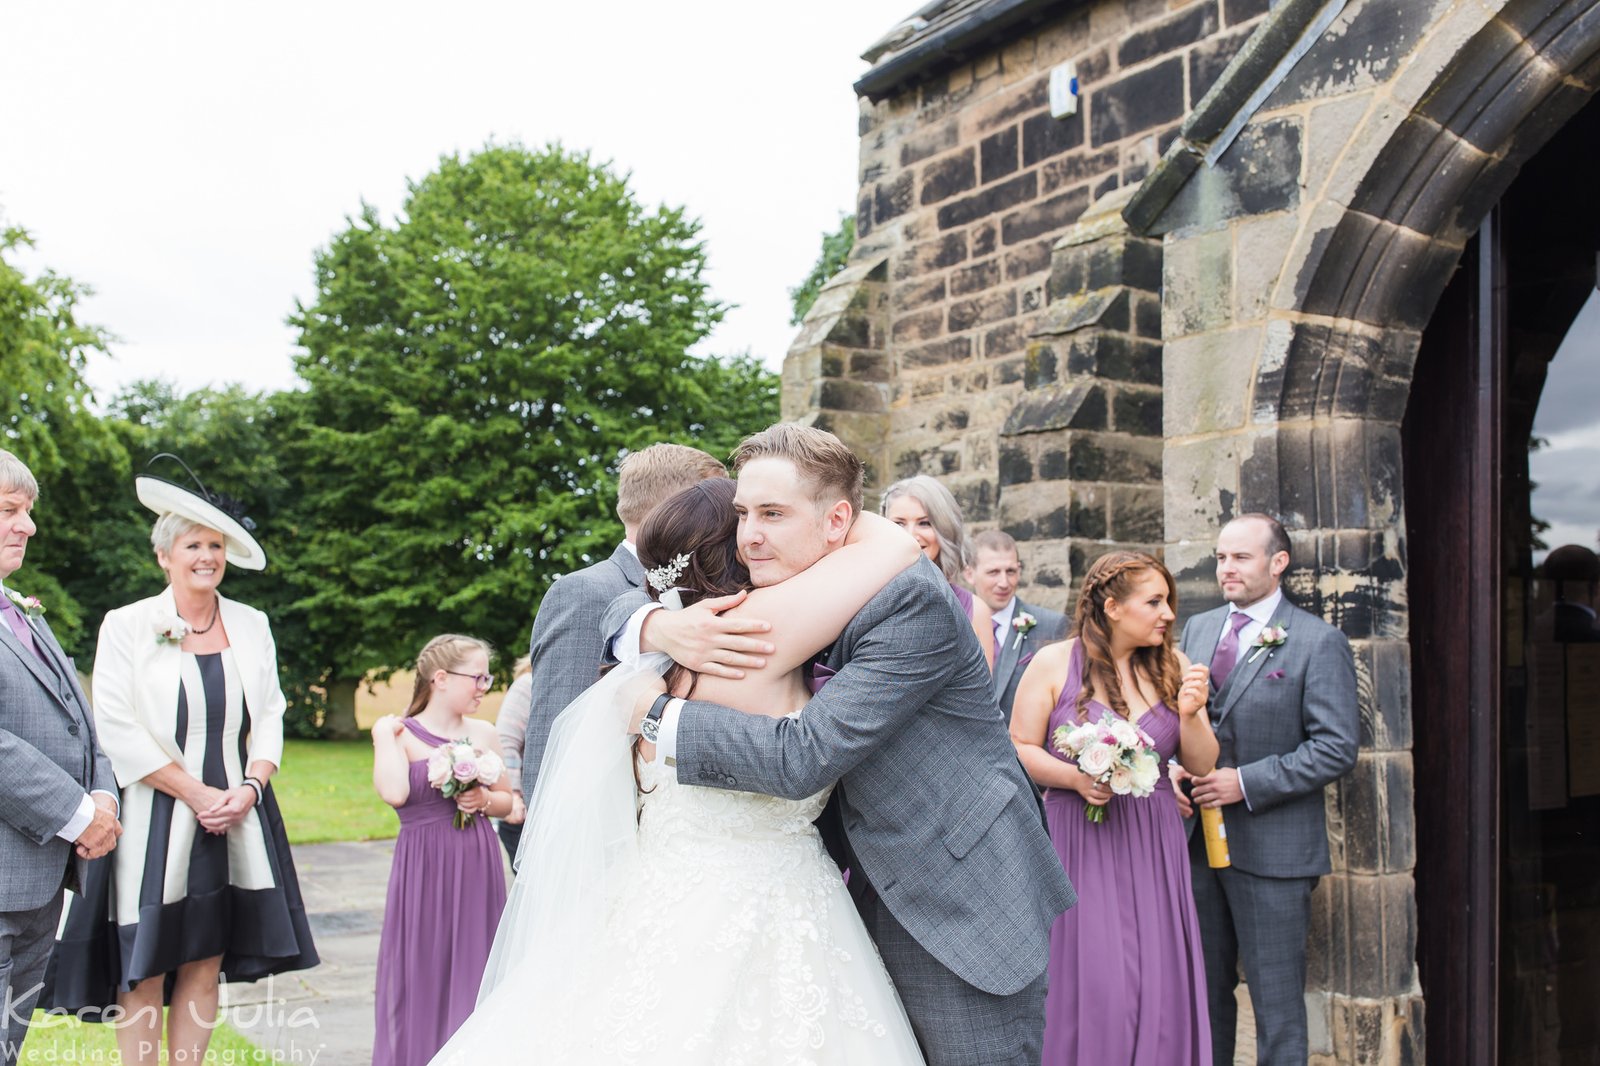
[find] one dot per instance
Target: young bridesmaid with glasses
(447, 886)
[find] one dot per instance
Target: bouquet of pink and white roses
(1114, 752)
(457, 766)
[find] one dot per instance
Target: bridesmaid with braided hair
(1127, 979)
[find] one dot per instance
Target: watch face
(650, 729)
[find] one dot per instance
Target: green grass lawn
(57, 1040)
(325, 790)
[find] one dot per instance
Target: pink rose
(1096, 760)
(1121, 779)
(466, 770)
(490, 768)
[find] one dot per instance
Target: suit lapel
(1250, 664)
(31, 661)
(1207, 628)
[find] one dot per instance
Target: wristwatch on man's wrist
(650, 728)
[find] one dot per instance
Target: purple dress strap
(963, 597)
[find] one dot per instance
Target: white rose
(1122, 779)
(1146, 771)
(1081, 737)
(1123, 732)
(439, 767)
(489, 767)
(1095, 760)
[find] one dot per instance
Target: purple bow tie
(820, 675)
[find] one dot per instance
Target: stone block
(1114, 357)
(1044, 217)
(918, 326)
(1259, 249)
(1201, 481)
(1137, 411)
(1259, 174)
(1105, 187)
(981, 310)
(928, 256)
(1237, 11)
(1115, 457)
(892, 200)
(1328, 133)
(1010, 371)
(1063, 38)
(1016, 465)
(914, 294)
(1209, 59)
(842, 395)
(869, 366)
(1086, 515)
(938, 353)
(975, 278)
(1028, 259)
(1374, 805)
(1077, 168)
(1136, 514)
(998, 153)
(1207, 380)
(1110, 261)
(1044, 136)
(948, 176)
(1081, 405)
(927, 143)
(1140, 101)
(1041, 367)
(1007, 106)
(1192, 24)
(999, 197)
(1198, 274)
(1003, 340)
(1362, 48)
(1106, 308)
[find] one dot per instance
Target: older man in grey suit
(1020, 629)
(950, 865)
(1285, 714)
(567, 644)
(58, 804)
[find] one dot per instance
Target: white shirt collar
(633, 549)
(1261, 611)
(1002, 617)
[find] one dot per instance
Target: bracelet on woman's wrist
(257, 788)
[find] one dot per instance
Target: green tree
(474, 372)
(835, 254)
(46, 421)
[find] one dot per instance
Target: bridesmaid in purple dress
(447, 886)
(1127, 979)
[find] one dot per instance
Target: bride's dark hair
(699, 522)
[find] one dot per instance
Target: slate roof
(944, 33)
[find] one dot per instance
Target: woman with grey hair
(929, 512)
(189, 710)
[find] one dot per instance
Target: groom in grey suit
(567, 645)
(58, 805)
(1020, 629)
(950, 865)
(1284, 709)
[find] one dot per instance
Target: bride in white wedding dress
(675, 925)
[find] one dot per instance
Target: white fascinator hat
(204, 508)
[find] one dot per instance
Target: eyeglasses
(481, 680)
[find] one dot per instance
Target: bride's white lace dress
(732, 941)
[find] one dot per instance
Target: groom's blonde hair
(657, 473)
(830, 470)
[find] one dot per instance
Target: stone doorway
(1506, 704)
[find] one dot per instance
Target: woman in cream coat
(189, 710)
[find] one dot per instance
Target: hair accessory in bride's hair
(665, 577)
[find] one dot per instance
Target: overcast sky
(186, 159)
(1566, 470)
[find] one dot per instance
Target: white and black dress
(171, 893)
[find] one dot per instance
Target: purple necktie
(1227, 656)
(997, 641)
(820, 675)
(19, 626)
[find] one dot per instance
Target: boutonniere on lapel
(28, 605)
(171, 631)
(1022, 623)
(1271, 637)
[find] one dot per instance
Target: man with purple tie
(58, 806)
(1284, 709)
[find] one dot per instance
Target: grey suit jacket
(49, 758)
(1017, 649)
(937, 809)
(567, 646)
(1290, 722)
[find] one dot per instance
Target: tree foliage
(836, 248)
(46, 421)
(474, 372)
